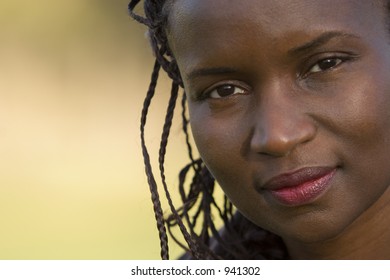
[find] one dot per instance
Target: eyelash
(338, 59)
(237, 90)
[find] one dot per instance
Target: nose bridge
(280, 124)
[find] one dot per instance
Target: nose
(280, 126)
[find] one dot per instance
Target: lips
(300, 187)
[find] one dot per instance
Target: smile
(300, 187)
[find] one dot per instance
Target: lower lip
(303, 193)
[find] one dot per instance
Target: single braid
(148, 168)
(185, 123)
(138, 18)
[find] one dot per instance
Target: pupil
(225, 90)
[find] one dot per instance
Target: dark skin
(270, 96)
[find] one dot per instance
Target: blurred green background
(73, 75)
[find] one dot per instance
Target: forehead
(192, 21)
(241, 33)
(268, 10)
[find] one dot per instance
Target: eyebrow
(319, 41)
(212, 71)
(306, 47)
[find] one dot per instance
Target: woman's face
(290, 107)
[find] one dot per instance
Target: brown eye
(225, 91)
(325, 64)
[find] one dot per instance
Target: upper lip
(295, 178)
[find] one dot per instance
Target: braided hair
(239, 238)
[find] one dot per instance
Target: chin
(316, 232)
(313, 236)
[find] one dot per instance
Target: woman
(289, 105)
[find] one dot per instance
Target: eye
(325, 64)
(226, 91)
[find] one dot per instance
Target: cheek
(364, 122)
(214, 137)
(219, 140)
(361, 138)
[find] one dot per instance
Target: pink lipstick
(300, 187)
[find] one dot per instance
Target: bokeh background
(73, 75)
